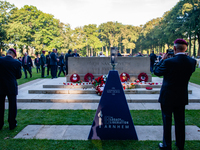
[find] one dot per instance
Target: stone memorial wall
(101, 65)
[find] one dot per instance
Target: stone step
(90, 86)
(93, 91)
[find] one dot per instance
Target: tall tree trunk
(102, 49)
(190, 44)
(194, 50)
(91, 51)
(106, 51)
(87, 53)
(131, 51)
(198, 36)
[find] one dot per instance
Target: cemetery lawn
(84, 117)
(35, 76)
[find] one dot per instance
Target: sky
(83, 12)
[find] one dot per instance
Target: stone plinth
(101, 65)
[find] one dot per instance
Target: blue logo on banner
(113, 119)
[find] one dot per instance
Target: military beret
(14, 51)
(43, 51)
(180, 41)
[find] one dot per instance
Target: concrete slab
(81, 132)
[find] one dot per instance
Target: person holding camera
(176, 72)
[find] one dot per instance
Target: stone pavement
(81, 132)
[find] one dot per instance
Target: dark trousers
(53, 71)
(61, 69)
(48, 69)
(26, 68)
(37, 68)
(179, 120)
(151, 66)
(12, 110)
(43, 69)
(66, 67)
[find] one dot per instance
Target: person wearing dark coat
(27, 64)
(75, 54)
(152, 61)
(43, 63)
(48, 63)
(11, 70)
(66, 60)
(118, 53)
(61, 64)
(176, 72)
(53, 63)
(37, 63)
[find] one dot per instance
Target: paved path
(93, 106)
(81, 132)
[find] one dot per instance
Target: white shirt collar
(180, 53)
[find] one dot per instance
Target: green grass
(35, 75)
(84, 117)
(195, 78)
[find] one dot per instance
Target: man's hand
(165, 56)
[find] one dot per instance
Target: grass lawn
(84, 117)
(35, 75)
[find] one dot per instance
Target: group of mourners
(52, 62)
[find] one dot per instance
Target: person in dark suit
(118, 53)
(152, 61)
(11, 70)
(43, 63)
(61, 64)
(176, 72)
(37, 63)
(27, 64)
(53, 63)
(66, 60)
(48, 63)
(75, 54)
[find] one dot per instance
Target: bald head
(180, 47)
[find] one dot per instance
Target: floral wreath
(124, 77)
(74, 77)
(88, 75)
(143, 77)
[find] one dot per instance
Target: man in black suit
(152, 61)
(11, 70)
(48, 63)
(176, 72)
(37, 63)
(66, 60)
(53, 63)
(61, 64)
(43, 63)
(27, 64)
(75, 54)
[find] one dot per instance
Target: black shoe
(161, 146)
(12, 127)
(178, 147)
(1, 127)
(31, 76)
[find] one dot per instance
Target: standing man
(176, 72)
(75, 54)
(27, 64)
(66, 60)
(61, 64)
(43, 63)
(11, 70)
(53, 63)
(48, 62)
(152, 61)
(37, 63)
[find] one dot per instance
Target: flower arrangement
(88, 77)
(124, 77)
(100, 80)
(143, 77)
(74, 78)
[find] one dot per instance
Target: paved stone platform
(93, 106)
(81, 132)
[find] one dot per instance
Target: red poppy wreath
(74, 77)
(88, 77)
(143, 77)
(124, 77)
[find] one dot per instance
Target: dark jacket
(61, 61)
(66, 58)
(152, 57)
(37, 63)
(11, 70)
(48, 60)
(75, 55)
(53, 60)
(29, 61)
(42, 60)
(176, 72)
